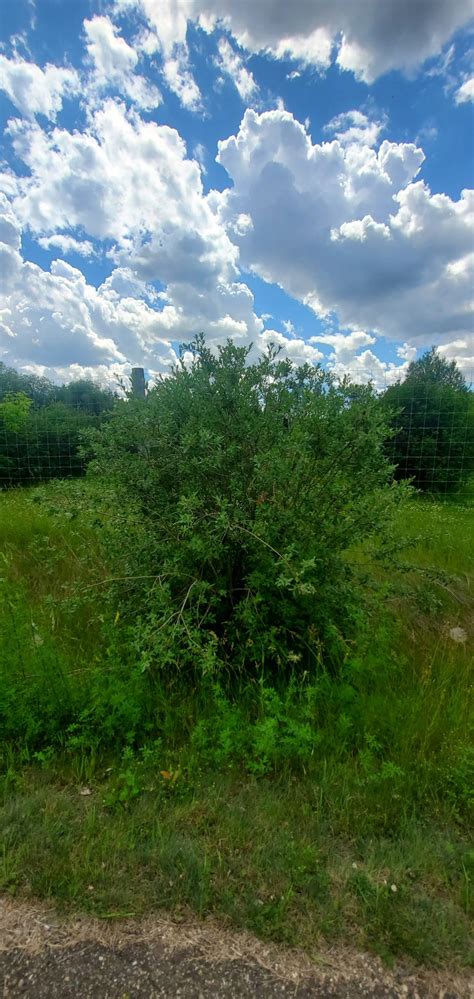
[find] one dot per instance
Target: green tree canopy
(14, 409)
(40, 390)
(86, 395)
(433, 369)
(433, 425)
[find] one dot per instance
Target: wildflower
(458, 635)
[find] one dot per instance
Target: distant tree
(86, 395)
(83, 393)
(14, 409)
(40, 390)
(41, 425)
(433, 424)
(433, 369)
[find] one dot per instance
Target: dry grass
(34, 927)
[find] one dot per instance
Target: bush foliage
(248, 483)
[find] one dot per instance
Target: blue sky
(269, 172)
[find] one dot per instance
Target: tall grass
(291, 808)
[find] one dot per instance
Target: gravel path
(45, 957)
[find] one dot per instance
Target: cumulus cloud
(230, 63)
(355, 231)
(119, 179)
(367, 39)
(180, 81)
(167, 22)
(347, 358)
(465, 93)
(355, 127)
(107, 376)
(295, 348)
(461, 351)
(114, 62)
(345, 226)
(128, 183)
(166, 33)
(34, 90)
(56, 319)
(67, 244)
(10, 228)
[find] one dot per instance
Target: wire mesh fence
(47, 447)
(430, 440)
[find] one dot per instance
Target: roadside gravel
(48, 957)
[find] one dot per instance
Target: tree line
(41, 425)
(429, 414)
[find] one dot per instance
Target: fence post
(138, 383)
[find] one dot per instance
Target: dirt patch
(45, 956)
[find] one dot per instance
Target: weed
(288, 803)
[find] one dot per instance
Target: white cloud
(67, 244)
(360, 230)
(114, 62)
(166, 34)
(296, 349)
(103, 374)
(443, 63)
(355, 127)
(354, 233)
(167, 20)
(465, 92)
(131, 183)
(109, 53)
(200, 154)
(406, 352)
(428, 133)
(369, 38)
(345, 345)
(10, 229)
(461, 351)
(34, 90)
(180, 81)
(348, 359)
(56, 319)
(230, 63)
(121, 179)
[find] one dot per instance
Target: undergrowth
(303, 807)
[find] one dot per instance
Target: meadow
(318, 808)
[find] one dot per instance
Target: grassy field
(317, 811)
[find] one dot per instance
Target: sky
(271, 172)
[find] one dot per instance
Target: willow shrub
(240, 487)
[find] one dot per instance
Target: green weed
(288, 804)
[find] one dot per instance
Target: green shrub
(240, 488)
